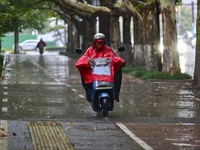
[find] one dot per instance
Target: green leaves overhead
(21, 14)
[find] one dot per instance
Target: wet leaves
(2, 129)
(2, 135)
(92, 129)
(69, 125)
(14, 134)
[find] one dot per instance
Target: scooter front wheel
(104, 103)
(41, 51)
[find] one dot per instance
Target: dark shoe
(117, 99)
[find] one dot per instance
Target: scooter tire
(41, 51)
(105, 107)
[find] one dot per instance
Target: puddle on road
(138, 98)
(157, 100)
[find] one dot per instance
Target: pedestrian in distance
(41, 44)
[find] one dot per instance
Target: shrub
(56, 48)
(145, 75)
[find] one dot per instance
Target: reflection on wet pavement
(49, 86)
(168, 136)
(157, 99)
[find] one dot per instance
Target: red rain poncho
(85, 69)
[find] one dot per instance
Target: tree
(18, 15)
(146, 33)
(27, 15)
(196, 80)
(5, 17)
(81, 19)
(170, 53)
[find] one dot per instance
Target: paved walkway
(41, 96)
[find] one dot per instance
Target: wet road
(43, 94)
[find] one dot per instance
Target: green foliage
(178, 2)
(61, 49)
(145, 75)
(128, 68)
(22, 14)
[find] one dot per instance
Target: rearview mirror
(79, 51)
(121, 49)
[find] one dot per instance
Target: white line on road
(134, 137)
(45, 71)
(5, 100)
(5, 93)
(4, 83)
(74, 90)
(185, 144)
(81, 96)
(4, 109)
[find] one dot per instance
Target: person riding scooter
(99, 50)
(41, 44)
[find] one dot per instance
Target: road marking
(45, 71)
(81, 96)
(4, 109)
(170, 139)
(134, 137)
(185, 144)
(3, 134)
(49, 135)
(5, 100)
(4, 83)
(74, 90)
(5, 93)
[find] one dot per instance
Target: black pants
(117, 86)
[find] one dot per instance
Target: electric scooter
(41, 49)
(102, 85)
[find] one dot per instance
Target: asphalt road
(43, 107)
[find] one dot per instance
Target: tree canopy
(81, 17)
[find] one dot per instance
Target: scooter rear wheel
(105, 107)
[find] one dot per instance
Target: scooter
(41, 49)
(102, 88)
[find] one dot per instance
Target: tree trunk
(104, 27)
(114, 32)
(150, 32)
(16, 37)
(128, 54)
(86, 37)
(170, 52)
(158, 52)
(138, 43)
(92, 30)
(196, 80)
(70, 37)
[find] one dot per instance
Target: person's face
(99, 43)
